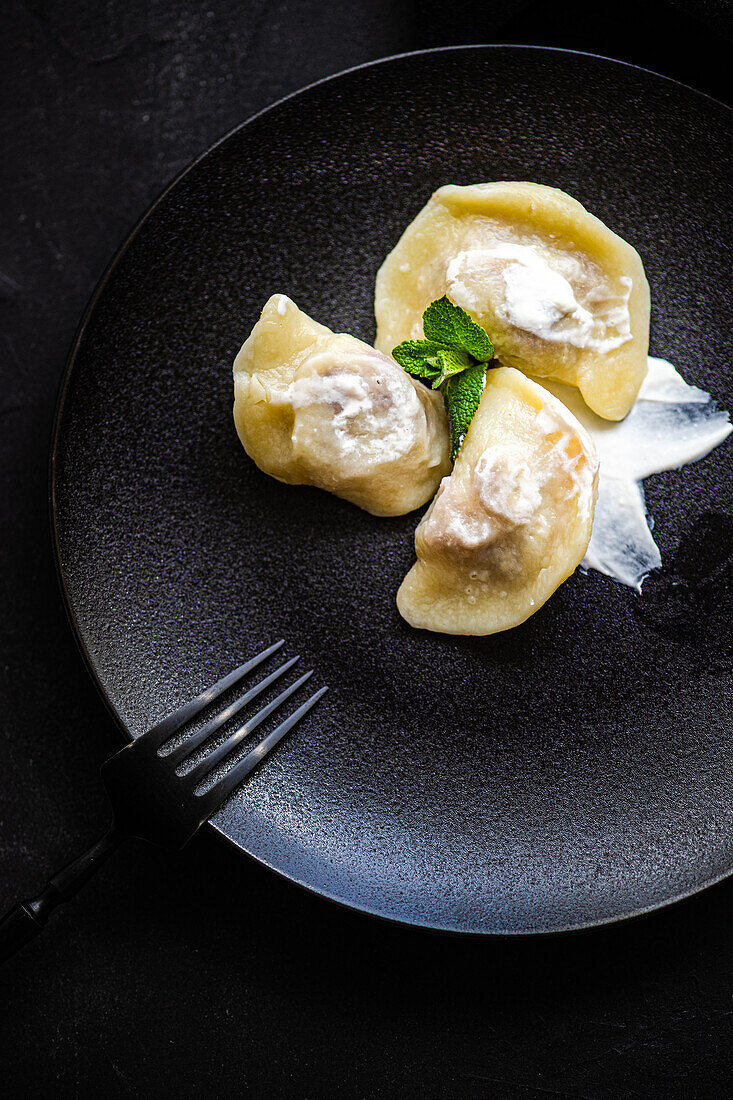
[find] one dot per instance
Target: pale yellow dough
(313, 407)
(512, 521)
(451, 247)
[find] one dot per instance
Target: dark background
(204, 974)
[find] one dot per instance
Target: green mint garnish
(453, 358)
(451, 361)
(461, 395)
(450, 325)
(419, 358)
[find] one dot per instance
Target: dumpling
(560, 295)
(511, 522)
(312, 407)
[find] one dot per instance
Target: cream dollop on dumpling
(512, 521)
(560, 295)
(313, 407)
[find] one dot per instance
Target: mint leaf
(450, 362)
(417, 357)
(462, 394)
(452, 326)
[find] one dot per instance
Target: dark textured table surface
(204, 974)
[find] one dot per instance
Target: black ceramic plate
(572, 771)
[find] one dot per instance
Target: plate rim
(53, 511)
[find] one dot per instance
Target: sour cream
(538, 299)
(361, 413)
(505, 485)
(670, 425)
(492, 508)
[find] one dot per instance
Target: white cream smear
(670, 425)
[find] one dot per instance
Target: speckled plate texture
(573, 771)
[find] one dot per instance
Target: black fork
(151, 800)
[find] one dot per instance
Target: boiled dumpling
(312, 407)
(560, 295)
(511, 522)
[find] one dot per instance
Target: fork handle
(26, 919)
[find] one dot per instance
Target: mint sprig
(453, 358)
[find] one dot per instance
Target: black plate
(572, 771)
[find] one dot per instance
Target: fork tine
(209, 762)
(199, 736)
(218, 794)
(159, 734)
